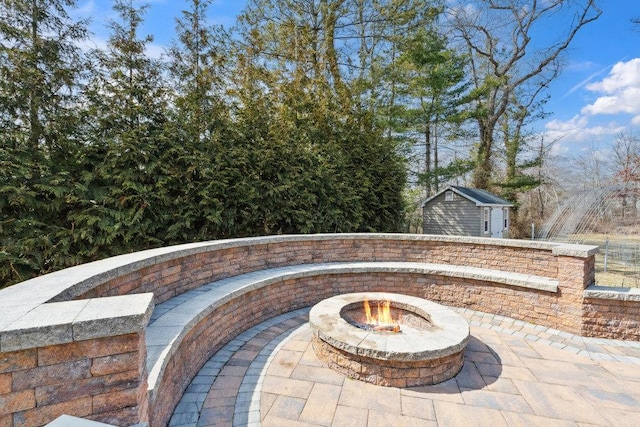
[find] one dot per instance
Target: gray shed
(463, 211)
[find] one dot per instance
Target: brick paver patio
(515, 374)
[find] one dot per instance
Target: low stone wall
(611, 313)
(171, 271)
(102, 378)
(84, 358)
(94, 316)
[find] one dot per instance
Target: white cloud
(622, 75)
(155, 51)
(558, 150)
(583, 83)
(578, 129)
(619, 91)
(460, 9)
(84, 9)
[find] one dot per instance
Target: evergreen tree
(127, 104)
(200, 128)
(342, 175)
(431, 91)
(40, 70)
(196, 65)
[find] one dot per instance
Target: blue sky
(596, 97)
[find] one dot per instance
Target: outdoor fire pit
(389, 339)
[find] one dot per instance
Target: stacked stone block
(85, 358)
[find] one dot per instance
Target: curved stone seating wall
(174, 270)
(79, 341)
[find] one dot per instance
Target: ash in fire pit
(420, 343)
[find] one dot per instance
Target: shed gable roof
(479, 197)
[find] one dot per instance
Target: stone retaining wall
(99, 371)
(611, 313)
(102, 378)
(167, 278)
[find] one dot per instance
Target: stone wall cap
(68, 321)
(529, 281)
(574, 250)
(612, 293)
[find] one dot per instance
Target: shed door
(496, 222)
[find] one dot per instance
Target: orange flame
(383, 317)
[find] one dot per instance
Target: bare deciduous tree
(626, 158)
(503, 40)
(626, 169)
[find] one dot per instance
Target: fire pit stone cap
(448, 336)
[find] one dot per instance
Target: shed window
(505, 215)
(448, 196)
(486, 213)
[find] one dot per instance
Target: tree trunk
(35, 129)
(503, 59)
(436, 179)
(482, 173)
(427, 158)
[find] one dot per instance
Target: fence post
(606, 253)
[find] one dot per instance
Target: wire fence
(609, 218)
(617, 260)
(619, 264)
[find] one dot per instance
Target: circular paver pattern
(515, 373)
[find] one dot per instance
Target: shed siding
(460, 217)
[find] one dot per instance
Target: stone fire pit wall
(73, 341)
(417, 354)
